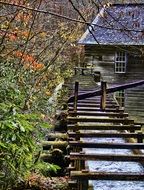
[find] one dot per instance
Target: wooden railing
(107, 91)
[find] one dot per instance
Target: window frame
(121, 64)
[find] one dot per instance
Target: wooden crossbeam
(54, 144)
(106, 145)
(106, 157)
(123, 176)
(93, 105)
(104, 135)
(93, 113)
(95, 109)
(102, 127)
(102, 120)
(96, 101)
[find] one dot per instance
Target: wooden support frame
(103, 95)
(76, 95)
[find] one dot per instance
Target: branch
(65, 17)
(89, 25)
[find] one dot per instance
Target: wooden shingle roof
(118, 24)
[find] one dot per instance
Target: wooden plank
(106, 157)
(102, 127)
(123, 176)
(100, 120)
(104, 135)
(93, 113)
(95, 100)
(95, 109)
(106, 145)
(93, 105)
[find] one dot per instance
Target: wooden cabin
(114, 46)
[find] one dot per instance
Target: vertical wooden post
(82, 162)
(103, 96)
(76, 95)
(132, 131)
(84, 183)
(140, 138)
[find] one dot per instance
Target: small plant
(21, 130)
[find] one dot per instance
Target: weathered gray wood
(93, 105)
(105, 135)
(96, 101)
(100, 120)
(102, 127)
(107, 157)
(107, 176)
(76, 95)
(95, 109)
(103, 96)
(109, 90)
(93, 113)
(107, 145)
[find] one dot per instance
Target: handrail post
(76, 95)
(103, 96)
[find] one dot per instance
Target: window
(120, 97)
(120, 62)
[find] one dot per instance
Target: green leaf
(3, 145)
(22, 129)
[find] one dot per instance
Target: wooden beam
(102, 127)
(95, 109)
(96, 101)
(54, 144)
(104, 135)
(102, 120)
(107, 145)
(57, 136)
(107, 157)
(107, 176)
(93, 105)
(93, 113)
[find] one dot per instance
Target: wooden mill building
(114, 46)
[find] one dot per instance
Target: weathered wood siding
(103, 60)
